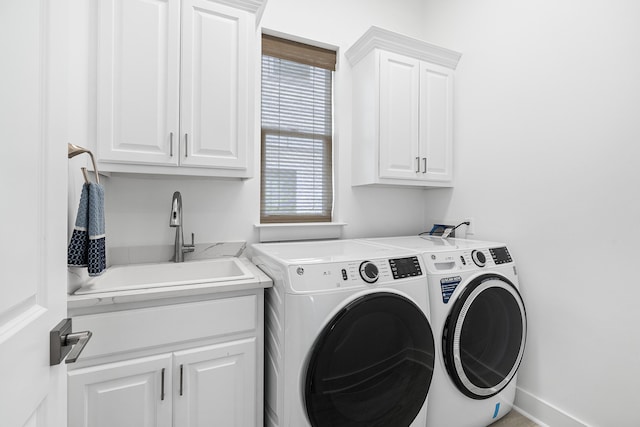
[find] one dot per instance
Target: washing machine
(348, 340)
(480, 326)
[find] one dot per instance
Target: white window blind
(297, 180)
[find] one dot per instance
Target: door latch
(64, 343)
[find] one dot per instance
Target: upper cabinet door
(138, 81)
(217, 49)
(436, 122)
(399, 120)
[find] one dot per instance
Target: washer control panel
(401, 268)
(372, 272)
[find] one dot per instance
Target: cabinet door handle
(171, 144)
(417, 164)
(162, 385)
(424, 165)
(181, 366)
(186, 145)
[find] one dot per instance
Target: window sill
(302, 231)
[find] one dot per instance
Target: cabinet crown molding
(253, 6)
(379, 38)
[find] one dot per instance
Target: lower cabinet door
(216, 385)
(132, 393)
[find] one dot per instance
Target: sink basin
(143, 276)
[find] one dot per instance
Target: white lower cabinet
(189, 364)
(215, 385)
(123, 394)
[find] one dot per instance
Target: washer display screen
(405, 267)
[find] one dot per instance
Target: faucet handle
(191, 247)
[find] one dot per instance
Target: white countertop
(101, 300)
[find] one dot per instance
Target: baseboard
(543, 413)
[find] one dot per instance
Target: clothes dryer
(480, 326)
(348, 340)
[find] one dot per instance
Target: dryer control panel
(467, 260)
(372, 272)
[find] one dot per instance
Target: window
(296, 172)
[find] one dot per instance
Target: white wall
(137, 208)
(546, 137)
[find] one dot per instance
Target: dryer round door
(371, 365)
(484, 336)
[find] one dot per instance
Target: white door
(399, 99)
(217, 81)
(131, 393)
(33, 222)
(216, 385)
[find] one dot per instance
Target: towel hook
(74, 150)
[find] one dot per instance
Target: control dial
(478, 258)
(369, 272)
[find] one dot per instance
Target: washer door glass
(371, 365)
(484, 336)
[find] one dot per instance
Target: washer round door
(484, 336)
(371, 365)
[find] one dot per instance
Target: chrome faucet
(175, 220)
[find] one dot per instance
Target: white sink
(143, 276)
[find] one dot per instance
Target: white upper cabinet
(175, 86)
(402, 111)
(138, 80)
(215, 117)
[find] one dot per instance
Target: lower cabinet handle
(162, 385)
(181, 366)
(424, 165)
(417, 164)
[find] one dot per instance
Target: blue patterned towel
(87, 245)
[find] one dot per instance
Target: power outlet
(471, 229)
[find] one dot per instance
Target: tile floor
(514, 419)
